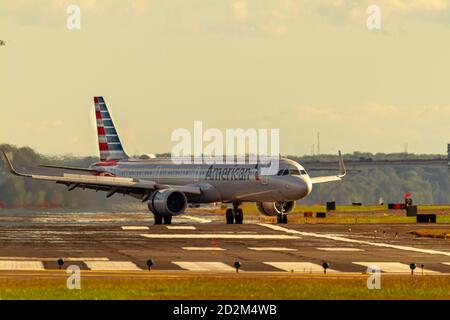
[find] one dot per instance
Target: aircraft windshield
(291, 172)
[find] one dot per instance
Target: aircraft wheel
(158, 219)
(167, 219)
(239, 216)
(229, 216)
(285, 219)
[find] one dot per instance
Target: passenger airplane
(168, 188)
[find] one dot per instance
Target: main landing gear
(160, 219)
(235, 214)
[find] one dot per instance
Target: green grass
(251, 209)
(432, 233)
(351, 214)
(363, 219)
(231, 287)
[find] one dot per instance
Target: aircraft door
(158, 172)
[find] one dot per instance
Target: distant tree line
(428, 184)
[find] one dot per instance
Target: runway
(123, 242)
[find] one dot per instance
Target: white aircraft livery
(168, 188)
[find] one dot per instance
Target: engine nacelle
(275, 208)
(167, 202)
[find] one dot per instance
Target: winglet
(10, 166)
(342, 170)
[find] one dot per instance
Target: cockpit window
(292, 172)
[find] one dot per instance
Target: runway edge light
(60, 263)
(325, 266)
(412, 266)
(150, 264)
(237, 265)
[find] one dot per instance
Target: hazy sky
(298, 65)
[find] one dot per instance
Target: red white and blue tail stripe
(108, 139)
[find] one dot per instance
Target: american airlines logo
(226, 174)
(236, 146)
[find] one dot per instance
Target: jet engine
(275, 208)
(167, 202)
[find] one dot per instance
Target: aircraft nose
(301, 187)
(308, 185)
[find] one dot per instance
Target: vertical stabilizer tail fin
(109, 143)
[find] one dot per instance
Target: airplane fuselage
(219, 182)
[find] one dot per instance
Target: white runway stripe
(340, 249)
(21, 265)
(181, 228)
(134, 228)
(203, 249)
(390, 267)
(375, 244)
(54, 259)
(85, 259)
(111, 265)
(219, 236)
(304, 267)
(204, 266)
(271, 249)
(197, 219)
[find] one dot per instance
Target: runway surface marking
(220, 236)
(181, 227)
(21, 265)
(111, 265)
(375, 244)
(305, 267)
(203, 249)
(271, 249)
(340, 249)
(390, 267)
(135, 228)
(197, 219)
(54, 259)
(204, 266)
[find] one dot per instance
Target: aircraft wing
(339, 176)
(71, 168)
(102, 183)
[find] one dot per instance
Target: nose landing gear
(282, 218)
(235, 215)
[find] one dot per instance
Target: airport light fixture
(237, 265)
(60, 263)
(150, 264)
(325, 266)
(412, 266)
